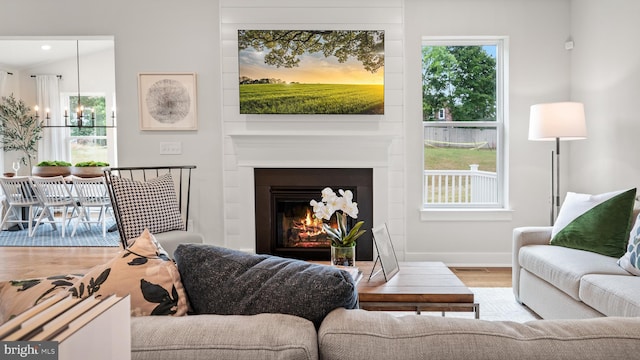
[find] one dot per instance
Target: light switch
(170, 148)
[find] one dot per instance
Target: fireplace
(285, 225)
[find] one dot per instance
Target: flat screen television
(311, 71)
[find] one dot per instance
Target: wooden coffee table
(418, 286)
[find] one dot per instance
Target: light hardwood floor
(31, 262)
(484, 276)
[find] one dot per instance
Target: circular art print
(168, 101)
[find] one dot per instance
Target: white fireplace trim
(311, 150)
(326, 150)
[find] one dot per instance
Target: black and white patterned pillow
(151, 205)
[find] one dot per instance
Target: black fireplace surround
(273, 186)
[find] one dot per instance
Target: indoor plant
(19, 130)
(89, 168)
(52, 168)
(343, 241)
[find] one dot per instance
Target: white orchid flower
(347, 198)
(347, 195)
(328, 194)
(351, 209)
(335, 203)
(319, 209)
(316, 205)
(323, 213)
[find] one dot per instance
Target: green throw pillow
(596, 223)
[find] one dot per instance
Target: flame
(308, 226)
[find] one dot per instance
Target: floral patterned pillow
(144, 271)
(17, 296)
(630, 261)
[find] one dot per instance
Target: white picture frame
(386, 253)
(167, 101)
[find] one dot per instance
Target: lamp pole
(556, 121)
(555, 201)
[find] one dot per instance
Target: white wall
(97, 74)
(605, 68)
(150, 36)
(538, 72)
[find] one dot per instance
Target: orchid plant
(342, 205)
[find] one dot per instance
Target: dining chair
(91, 194)
(156, 198)
(53, 192)
(19, 195)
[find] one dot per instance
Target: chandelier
(82, 118)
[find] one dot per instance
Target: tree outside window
(462, 121)
(89, 143)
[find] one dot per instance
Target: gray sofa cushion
(230, 282)
(264, 336)
(564, 267)
(359, 334)
(549, 302)
(612, 295)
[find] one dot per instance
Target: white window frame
(445, 210)
(442, 114)
(111, 132)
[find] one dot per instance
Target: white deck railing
(460, 186)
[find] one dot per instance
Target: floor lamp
(555, 122)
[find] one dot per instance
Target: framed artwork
(386, 253)
(167, 101)
(311, 72)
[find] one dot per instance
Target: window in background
(463, 121)
(88, 143)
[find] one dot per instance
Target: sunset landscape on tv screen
(311, 72)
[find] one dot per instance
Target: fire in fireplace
(297, 227)
(285, 224)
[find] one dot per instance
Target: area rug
(46, 236)
(495, 304)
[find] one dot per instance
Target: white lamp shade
(563, 120)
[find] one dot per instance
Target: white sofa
(562, 283)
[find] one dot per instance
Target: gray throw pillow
(230, 282)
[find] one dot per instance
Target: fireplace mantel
(247, 150)
(320, 149)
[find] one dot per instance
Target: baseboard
(464, 259)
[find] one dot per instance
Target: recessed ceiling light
(46, 47)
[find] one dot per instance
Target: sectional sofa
(347, 333)
(360, 334)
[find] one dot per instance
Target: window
(463, 103)
(89, 143)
